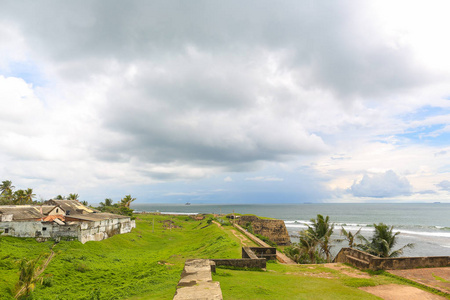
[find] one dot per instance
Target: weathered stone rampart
(275, 230)
(364, 260)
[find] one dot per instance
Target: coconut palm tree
(29, 196)
(73, 197)
(321, 230)
(6, 192)
(383, 242)
(6, 187)
(28, 276)
(308, 244)
(19, 197)
(126, 201)
(349, 237)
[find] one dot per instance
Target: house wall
(100, 230)
(37, 229)
(83, 231)
(6, 218)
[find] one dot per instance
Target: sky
(226, 101)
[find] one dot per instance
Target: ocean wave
(431, 231)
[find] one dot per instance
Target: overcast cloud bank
(226, 101)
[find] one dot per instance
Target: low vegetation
(315, 242)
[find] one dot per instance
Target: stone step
(357, 262)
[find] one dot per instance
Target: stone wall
(100, 230)
(83, 231)
(38, 229)
(364, 260)
(269, 253)
(259, 263)
(275, 230)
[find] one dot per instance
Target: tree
(6, 192)
(383, 242)
(6, 187)
(73, 197)
(20, 197)
(349, 236)
(59, 197)
(108, 202)
(28, 276)
(126, 201)
(314, 242)
(321, 230)
(29, 195)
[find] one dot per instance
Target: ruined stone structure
(275, 230)
(363, 260)
(59, 219)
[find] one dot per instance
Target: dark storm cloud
(331, 40)
(198, 82)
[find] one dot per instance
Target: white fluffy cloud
(383, 185)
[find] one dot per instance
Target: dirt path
(346, 270)
(438, 278)
(400, 292)
(243, 239)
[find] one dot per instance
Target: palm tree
(73, 197)
(321, 230)
(29, 195)
(126, 201)
(6, 187)
(20, 197)
(383, 242)
(308, 244)
(28, 276)
(349, 237)
(6, 193)
(59, 197)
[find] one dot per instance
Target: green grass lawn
(294, 282)
(141, 263)
(147, 264)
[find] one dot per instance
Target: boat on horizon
(187, 203)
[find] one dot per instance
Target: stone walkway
(196, 282)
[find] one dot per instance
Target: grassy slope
(139, 263)
(147, 265)
(294, 282)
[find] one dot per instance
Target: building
(61, 219)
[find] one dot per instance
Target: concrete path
(196, 282)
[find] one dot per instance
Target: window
(6, 230)
(57, 210)
(44, 228)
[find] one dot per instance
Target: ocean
(425, 225)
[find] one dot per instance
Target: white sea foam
(302, 224)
